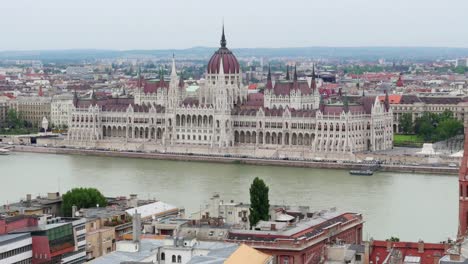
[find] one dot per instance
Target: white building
(171, 250)
(16, 248)
(60, 110)
(289, 120)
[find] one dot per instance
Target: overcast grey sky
(175, 24)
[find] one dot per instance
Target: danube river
(409, 206)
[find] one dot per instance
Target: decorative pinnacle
(223, 39)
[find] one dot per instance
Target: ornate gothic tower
(231, 77)
(173, 93)
(463, 191)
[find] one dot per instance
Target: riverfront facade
(289, 119)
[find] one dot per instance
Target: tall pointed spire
(313, 84)
(75, 99)
(386, 102)
(173, 70)
(93, 98)
(287, 72)
(140, 82)
(295, 74)
(269, 84)
(223, 38)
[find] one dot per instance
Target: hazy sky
(175, 24)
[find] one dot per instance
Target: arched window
(163, 256)
(173, 258)
(179, 259)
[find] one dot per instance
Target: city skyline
(121, 25)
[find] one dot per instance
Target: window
(286, 260)
(358, 257)
(173, 259)
(163, 256)
(179, 259)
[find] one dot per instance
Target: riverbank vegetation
(14, 124)
(429, 127)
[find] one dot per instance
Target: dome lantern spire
(223, 39)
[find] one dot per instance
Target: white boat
(4, 151)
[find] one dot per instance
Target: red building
(50, 242)
(9, 224)
(463, 197)
(406, 252)
(303, 239)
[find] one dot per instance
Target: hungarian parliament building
(289, 119)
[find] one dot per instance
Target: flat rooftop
(10, 238)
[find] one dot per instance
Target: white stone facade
(60, 110)
(224, 118)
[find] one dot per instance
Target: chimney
(420, 246)
(136, 227)
(389, 245)
(74, 209)
(367, 251)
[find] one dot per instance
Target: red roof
(429, 253)
(253, 86)
(393, 98)
(230, 63)
(152, 87)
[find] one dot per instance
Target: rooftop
(147, 249)
(6, 239)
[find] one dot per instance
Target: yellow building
(246, 254)
(100, 239)
(32, 109)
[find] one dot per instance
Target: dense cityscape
(308, 154)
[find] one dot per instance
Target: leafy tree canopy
(82, 198)
(259, 203)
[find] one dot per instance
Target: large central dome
(230, 63)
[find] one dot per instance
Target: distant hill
(363, 53)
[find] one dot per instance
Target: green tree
(259, 203)
(448, 128)
(82, 198)
(406, 123)
(13, 119)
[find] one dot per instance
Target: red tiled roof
(393, 98)
(253, 86)
(284, 88)
(431, 253)
(152, 87)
